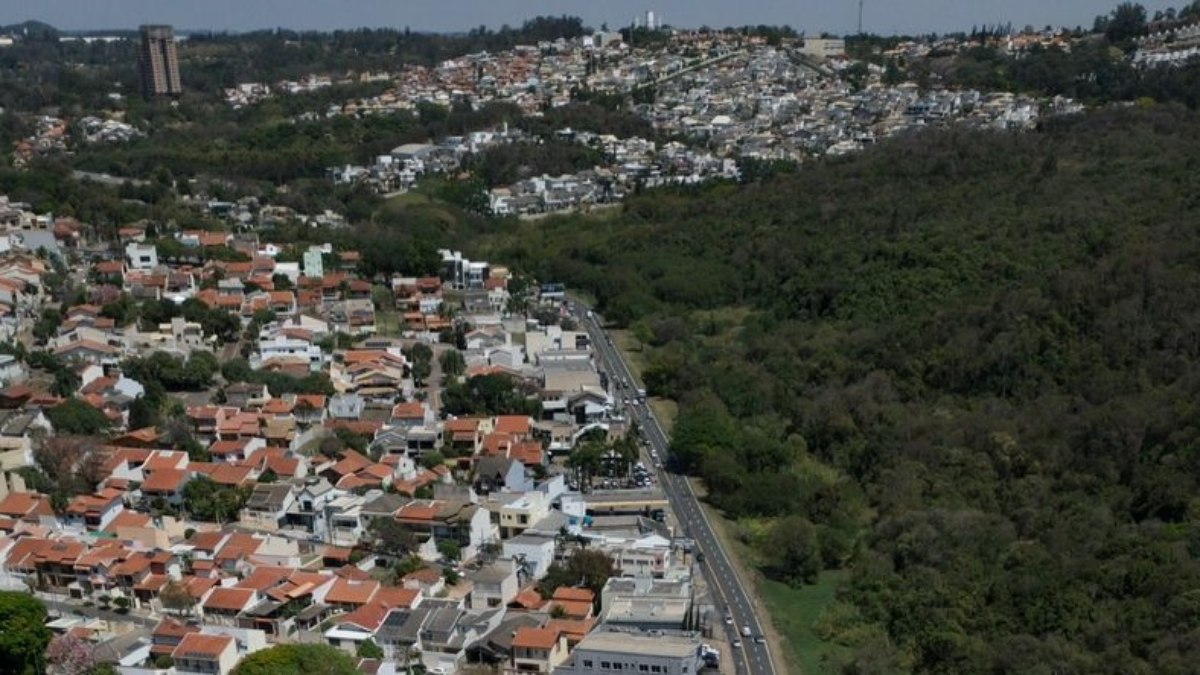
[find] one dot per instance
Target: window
(587, 663)
(656, 669)
(617, 666)
(644, 668)
(605, 665)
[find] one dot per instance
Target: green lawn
(794, 611)
(387, 323)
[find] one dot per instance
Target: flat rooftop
(622, 496)
(614, 642)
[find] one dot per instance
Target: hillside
(964, 365)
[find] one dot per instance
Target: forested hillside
(964, 364)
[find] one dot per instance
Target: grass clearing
(790, 613)
(794, 611)
(666, 410)
(387, 323)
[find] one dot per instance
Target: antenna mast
(860, 8)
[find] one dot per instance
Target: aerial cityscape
(552, 348)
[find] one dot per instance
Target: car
(760, 640)
(746, 631)
(728, 619)
(737, 644)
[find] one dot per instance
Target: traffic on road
(751, 654)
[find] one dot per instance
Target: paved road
(58, 607)
(730, 590)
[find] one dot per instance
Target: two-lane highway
(729, 590)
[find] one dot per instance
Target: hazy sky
(838, 16)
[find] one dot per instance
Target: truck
(641, 395)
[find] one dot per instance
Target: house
(88, 351)
(465, 523)
(522, 513)
(141, 256)
(223, 604)
(165, 484)
(268, 506)
(500, 474)
(167, 635)
(29, 507)
(308, 509)
(350, 594)
(537, 650)
(95, 511)
(534, 552)
(572, 603)
(494, 585)
(206, 654)
(346, 407)
(246, 395)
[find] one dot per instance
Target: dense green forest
(965, 365)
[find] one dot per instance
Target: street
(752, 658)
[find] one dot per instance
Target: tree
(1126, 22)
(207, 500)
(175, 596)
(70, 655)
(23, 633)
(449, 549)
(367, 649)
(432, 459)
(391, 538)
(74, 416)
(585, 568)
(796, 551)
(453, 364)
(298, 659)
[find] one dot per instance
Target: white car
(737, 644)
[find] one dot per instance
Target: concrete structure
(620, 653)
(646, 604)
(824, 48)
(158, 62)
(314, 266)
(141, 256)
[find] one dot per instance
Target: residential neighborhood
(425, 487)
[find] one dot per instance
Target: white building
(141, 256)
(613, 653)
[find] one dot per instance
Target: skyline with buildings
(897, 16)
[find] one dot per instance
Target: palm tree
(411, 653)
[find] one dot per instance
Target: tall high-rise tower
(158, 62)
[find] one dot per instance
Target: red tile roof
(575, 594)
(199, 645)
(352, 592)
(520, 425)
(165, 481)
(229, 599)
(535, 638)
